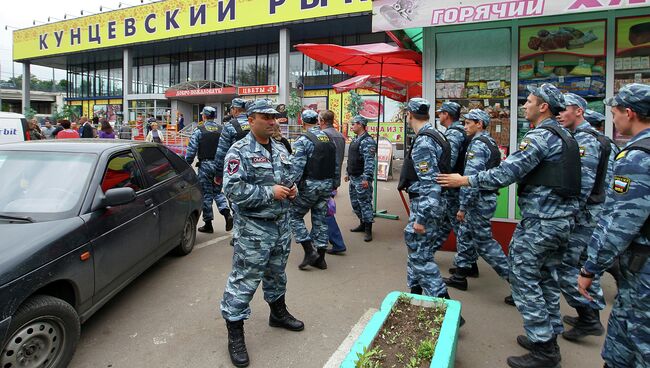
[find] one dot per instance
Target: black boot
(206, 228)
(228, 217)
(280, 317)
(461, 321)
(360, 228)
(236, 344)
(473, 272)
(310, 255)
(525, 343)
(509, 300)
(459, 279)
(588, 323)
(542, 355)
(368, 230)
(417, 289)
(320, 261)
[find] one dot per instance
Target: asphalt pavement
(169, 316)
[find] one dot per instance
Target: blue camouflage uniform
(262, 235)
(360, 198)
(456, 136)
(475, 233)
(587, 216)
(229, 134)
(313, 194)
(620, 234)
(540, 238)
(426, 209)
(207, 171)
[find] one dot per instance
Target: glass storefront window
(161, 74)
(230, 69)
(632, 62)
(569, 55)
(273, 63)
(196, 67)
(295, 67)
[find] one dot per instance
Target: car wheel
(43, 333)
(188, 237)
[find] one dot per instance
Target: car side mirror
(118, 196)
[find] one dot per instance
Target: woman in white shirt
(155, 135)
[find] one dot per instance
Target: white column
(283, 73)
(429, 66)
(26, 87)
(127, 63)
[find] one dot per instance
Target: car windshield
(42, 185)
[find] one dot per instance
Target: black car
(79, 220)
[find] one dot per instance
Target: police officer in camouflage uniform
(623, 232)
(477, 206)
(314, 169)
(429, 155)
(449, 116)
(203, 144)
(257, 181)
(234, 130)
(547, 168)
(360, 174)
(595, 157)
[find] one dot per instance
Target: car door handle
(148, 202)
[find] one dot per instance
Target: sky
(21, 14)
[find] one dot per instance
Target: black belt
(637, 248)
(413, 195)
(639, 257)
(269, 219)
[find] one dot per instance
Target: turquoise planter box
(445, 352)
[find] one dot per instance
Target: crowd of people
(79, 128)
(584, 205)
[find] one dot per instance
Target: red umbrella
(379, 59)
(392, 88)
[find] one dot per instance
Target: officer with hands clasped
(257, 181)
(623, 232)
(360, 174)
(477, 206)
(429, 155)
(314, 169)
(547, 168)
(203, 143)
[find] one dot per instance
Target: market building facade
(484, 53)
(177, 56)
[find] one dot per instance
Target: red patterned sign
(200, 92)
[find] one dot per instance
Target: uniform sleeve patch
(621, 155)
(583, 151)
(233, 166)
(524, 144)
(621, 184)
(423, 166)
(470, 155)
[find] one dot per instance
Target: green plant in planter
(369, 358)
(413, 363)
(294, 107)
(355, 104)
(425, 350)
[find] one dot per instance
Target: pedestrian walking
(326, 122)
(125, 131)
(547, 168)
(106, 130)
(257, 180)
(623, 232)
(313, 169)
(66, 131)
(449, 115)
(429, 156)
(476, 207)
(203, 145)
(360, 174)
(155, 135)
(180, 121)
(35, 133)
(48, 130)
(596, 167)
(86, 128)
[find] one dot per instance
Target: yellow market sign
(168, 19)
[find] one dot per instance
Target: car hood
(25, 247)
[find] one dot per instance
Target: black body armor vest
(598, 193)
(322, 163)
(493, 161)
(564, 175)
(355, 160)
(208, 143)
(241, 132)
(408, 175)
(459, 165)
